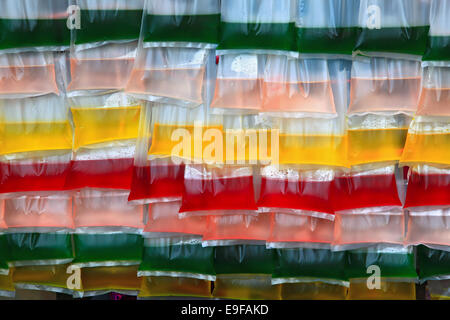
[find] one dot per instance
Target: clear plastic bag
(246, 287)
(163, 217)
(107, 21)
(39, 25)
(433, 264)
(428, 225)
(439, 289)
(327, 26)
(181, 23)
(264, 26)
(438, 44)
(435, 93)
(27, 74)
(393, 27)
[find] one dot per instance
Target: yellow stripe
(427, 148)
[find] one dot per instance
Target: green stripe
(254, 259)
(433, 263)
(327, 40)
(438, 49)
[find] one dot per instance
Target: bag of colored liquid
(438, 45)
(161, 286)
(107, 249)
(163, 217)
(7, 288)
(39, 25)
(116, 21)
(262, 26)
(327, 26)
(428, 225)
(433, 264)
(246, 287)
(393, 28)
(389, 289)
(439, 289)
(214, 190)
(177, 257)
(313, 291)
(181, 23)
(435, 94)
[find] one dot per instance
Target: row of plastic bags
(403, 27)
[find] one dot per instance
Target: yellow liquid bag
(313, 291)
(174, 286)
(246, 287)
(390, 290)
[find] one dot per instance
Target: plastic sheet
(292, 190)
(163, 217)
(177, 256)
(327, 26)
(27, 74)
(435, 94)
(113, 249)
(438, 45)
(384, 86)
(428, 225)
(246, 287)
(310, 265)
(108, 21)
(313, 291)
(178, 287)
(102, 209)
(27, 249)
(244, 259)
(181, 23)
(267, 26)
(36, 25)
(38, 212)
(390, 290)
(210, 190)
(393, 27)
(433, 264)
(237, 228)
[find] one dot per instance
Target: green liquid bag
(438, 45)
(164, 257)
(108, 25)
(4, 268)
(39, 248)
(327, 40)
(300, 264)
(433, 263)
(438, 49)
(244, 259)
(107, 249)
(397, 263)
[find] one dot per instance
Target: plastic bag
(101, 69)
(107, 21)
(428, 142)
(39, 25)
(163, 217)
(7, 288)
(435, 96)
(294, 230)
(34, 124)
(438, 44)
(439, 289)
(292, 190)
(244, 259)
(234, 229)
(28, 249)
(264, 26)
(389, 290)
(170, 75)
(27, 74)
(246, 287)
(38, 212)
(428, 225)
(4, 255)
(174, 286)
(107, 249)
(177, 257)
(106, 210)
(397, 27)
(433, 264)
(313, 291)
(310, 265)
(327, 26)
(215, 190)
(181, 23)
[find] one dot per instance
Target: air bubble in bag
(38, 212)
(393, 27)
(181, 23)
(174, 286)
(327, 26)
(101, 69)
(294, 230)
(233, 229)
(433, 264)
(428, 142)
(297, 191)
(27, 74)
(297, 88)
(163, 217)
(435, 94)
(177, 257)
(106, 210)
(246, 287)
(34, 25)
(264, 26)
(218, 190)
(438, 45)
(170, 75)
(428, 225)
(106, 21)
